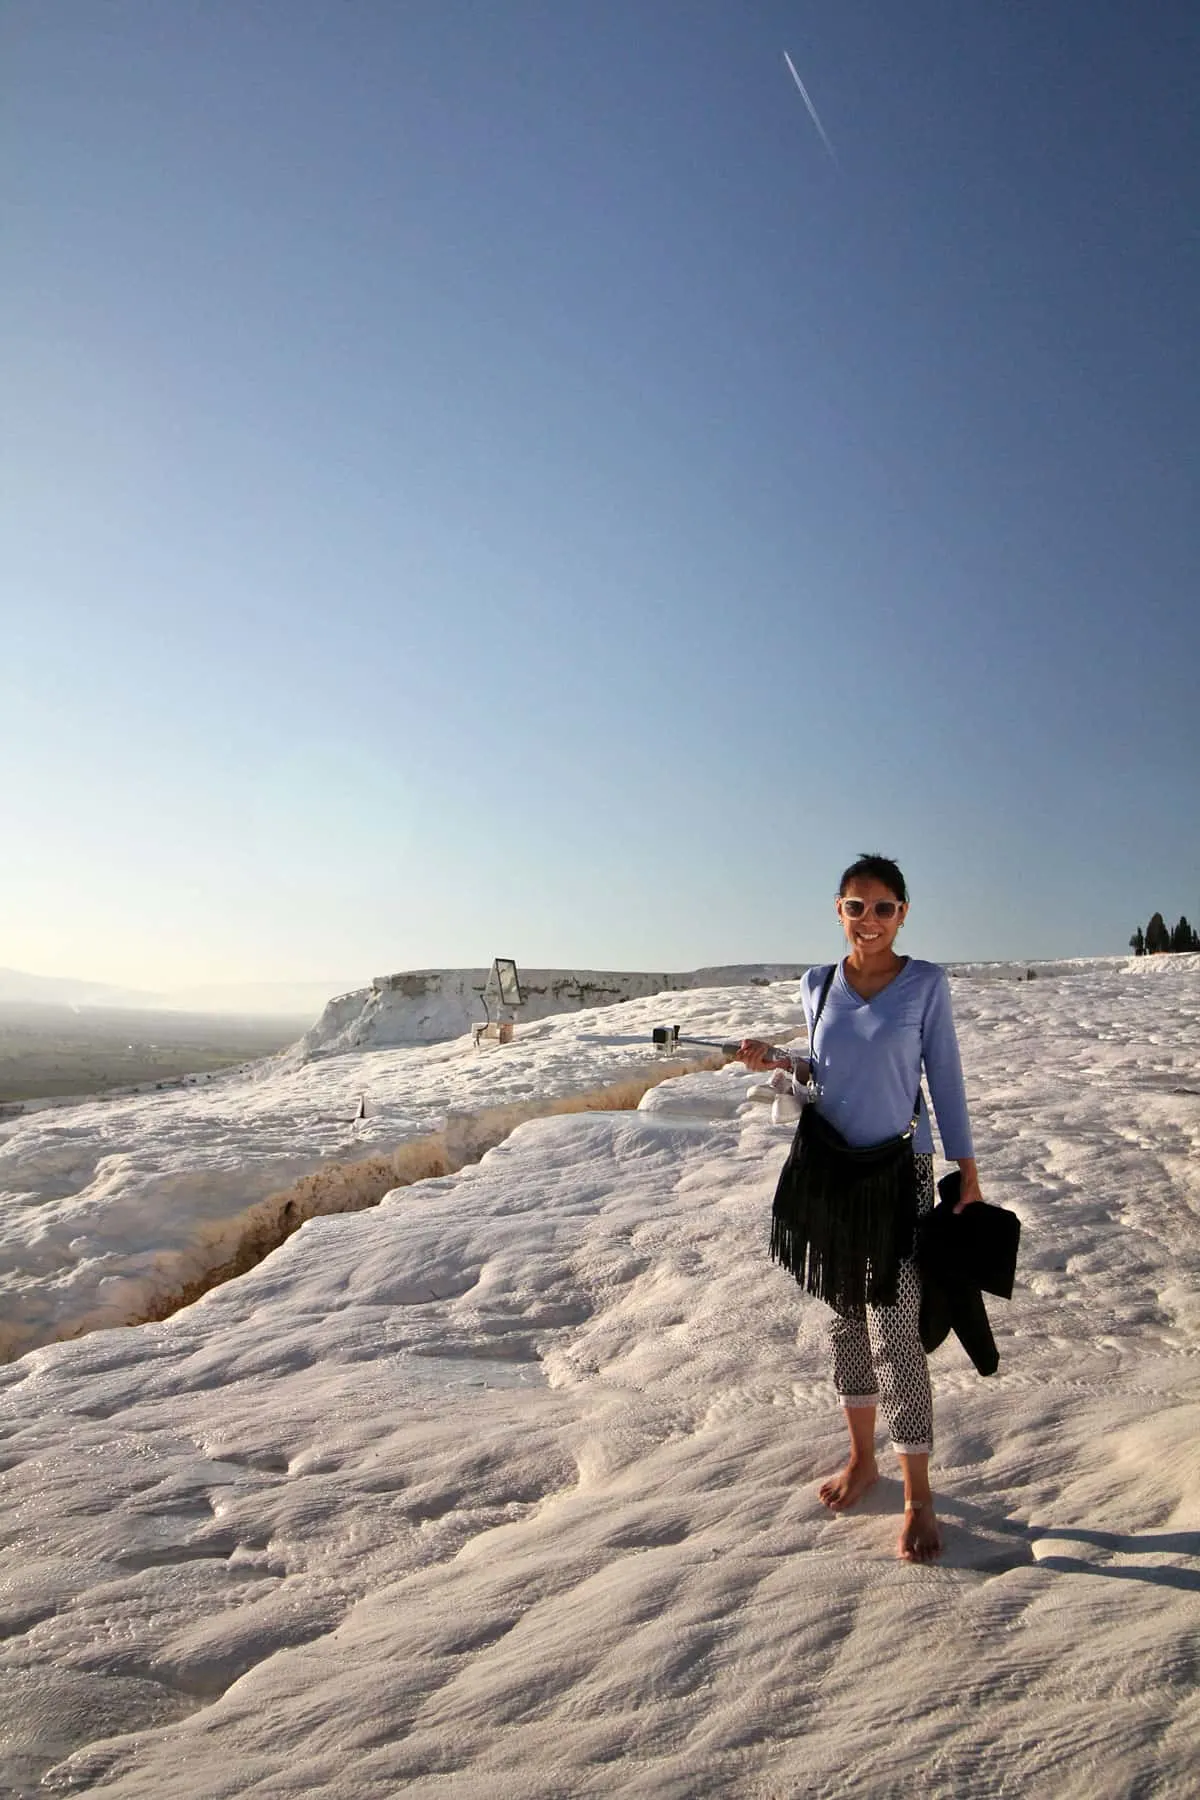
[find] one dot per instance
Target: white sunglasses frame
(871, 907)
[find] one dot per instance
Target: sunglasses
(883, 909)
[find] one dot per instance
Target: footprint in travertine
(216, 1548)
(261, 1461)
(649, 1531)
(479, 1634)
(53, 1713)
(205, 1659)
(439, 1282)
(315, 1461)
(982, 1555)
(425, 1512)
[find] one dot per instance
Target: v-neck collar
(862, 999)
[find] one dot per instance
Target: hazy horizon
(294, 999)
(282, 999)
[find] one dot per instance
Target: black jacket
(960, 1256)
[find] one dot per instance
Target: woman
(873, 1020)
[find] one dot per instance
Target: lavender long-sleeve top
(868, 1055)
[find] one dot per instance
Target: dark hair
(876, 868)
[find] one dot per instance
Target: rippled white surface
(506, 1488)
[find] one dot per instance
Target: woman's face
(869, 932)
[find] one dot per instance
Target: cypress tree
(1157, 936)
(1137, 943)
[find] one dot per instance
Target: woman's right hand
(758, 1055)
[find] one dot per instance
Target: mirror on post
(502, 995)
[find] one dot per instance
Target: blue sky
(482, 479)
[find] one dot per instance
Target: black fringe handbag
(844, 1218)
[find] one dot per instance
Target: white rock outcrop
(428, 1006)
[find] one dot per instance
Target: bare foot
(920, 1539)
(849, 1484)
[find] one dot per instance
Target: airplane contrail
(812, 111)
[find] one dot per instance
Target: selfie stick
(665, 1037)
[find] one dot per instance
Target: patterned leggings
(878, 1358)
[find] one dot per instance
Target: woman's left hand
(969, 1194)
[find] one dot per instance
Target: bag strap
(812, 1036)
(812, 1049)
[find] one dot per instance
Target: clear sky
(483, 478)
